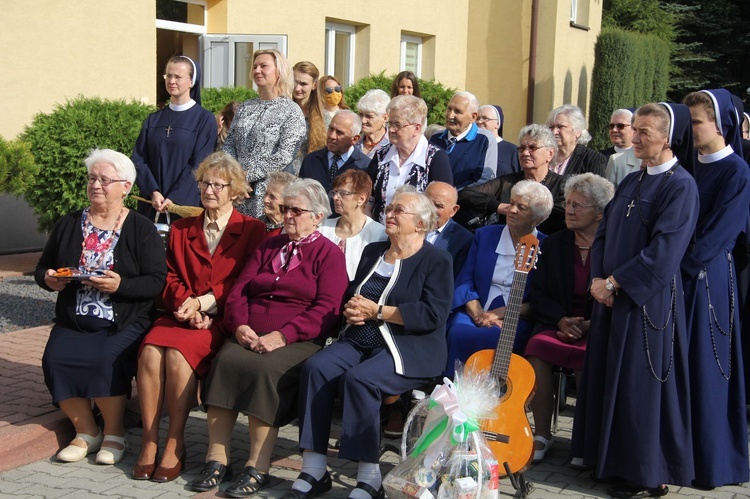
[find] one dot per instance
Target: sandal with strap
(248, 483)
(111, 455)
(212, 474)
(73, 453)
(318, 486)
(375, 494)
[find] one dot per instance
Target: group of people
(340, 272)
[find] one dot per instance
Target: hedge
(214, 99)
(630, 70)
(435, 95)
(62, 139)
(17, 167)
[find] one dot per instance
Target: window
(227, 59)
(411, 54)
(573, 10)
(340, 52)
(186, 16)
(579, 14)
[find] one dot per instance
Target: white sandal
(110, 455)
(73, 453)
(540, 453)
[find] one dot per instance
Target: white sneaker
(73, 453)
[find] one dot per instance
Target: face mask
(333, 99)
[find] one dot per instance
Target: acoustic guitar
(509, 435)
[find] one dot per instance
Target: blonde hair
(285, 78)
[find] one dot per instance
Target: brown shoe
(164, 475)
(143, 471)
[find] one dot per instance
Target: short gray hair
(597, 190)
(121, 163)
(281, 178)
(356, 122)
(473, 101)
(537, 196)
(310, 189)
(414, 108)
(577, 120)
(622, 112)
(374, 101)
(540, 134)
(426, 211)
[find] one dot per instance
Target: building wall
(56, 50)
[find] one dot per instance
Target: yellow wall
(56, 50)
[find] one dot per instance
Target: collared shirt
(502, 275)
(398, 173)
(715, 156)
(656, 170)
(462, 134)
(622, 149)
(344, 157)
(432, 236)
(559, 168)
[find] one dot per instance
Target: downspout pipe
(532, 60)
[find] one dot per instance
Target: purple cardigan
(304, 303)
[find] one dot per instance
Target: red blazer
(191, 270)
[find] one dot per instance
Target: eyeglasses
(295, 210)
(330, 90)
(619, 126)
(485, 120)
(577, 207)
(215, 186)
(392, 125)
(340, 193)
(397, 210)
(177, 78)
(522, 149)
(103, 181)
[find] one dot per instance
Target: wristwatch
(380, 313)
(610, 285)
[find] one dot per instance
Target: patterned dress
(264, 138)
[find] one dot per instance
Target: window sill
(575, 25)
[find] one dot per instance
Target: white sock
(368, 473)
(313, 464)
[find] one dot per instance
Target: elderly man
(339, 153)
(620, 132)
(472, 150)
(448, 235)
(569, 128)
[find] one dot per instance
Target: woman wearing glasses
(393, 342)
(204, 256)
(283, 305)
(174, 141)
(409, 159)
(353, 230)
(333, 97)
(114, 266)
(537, 148)
(266, 132)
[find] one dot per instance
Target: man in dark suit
(448, 235)
(339, 153)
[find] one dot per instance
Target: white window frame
(411, 39)
(574, 11)
(279, 42)
(186, 27)
(330, 56)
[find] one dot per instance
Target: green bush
(630, 70)
(435, 95)
(214, 99)
(62, 139)
(17, 167)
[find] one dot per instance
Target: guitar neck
(510, 325)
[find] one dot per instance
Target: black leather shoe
(626, 491)
(318, 486)
(375, 494)
(248, 483)
(212, 474)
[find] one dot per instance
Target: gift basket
(444, 454)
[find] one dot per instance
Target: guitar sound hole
(505, 389)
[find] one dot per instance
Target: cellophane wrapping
(444, 455)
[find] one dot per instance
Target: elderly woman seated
(273, 200)
(353, 230)
(372, 111)
(394, 341)
(204, 256)
(107, 263)
(484, 284)
(560, 299)
(287, 299)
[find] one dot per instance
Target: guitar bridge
(496, 437)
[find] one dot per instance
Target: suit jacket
(621, 165)
(456, 240)
(193, 271)
(551, 294)
(585, 160)
(608, 151)
(316, 166)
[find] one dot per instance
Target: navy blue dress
(165, 163)
(717, 384)
(633, 411)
